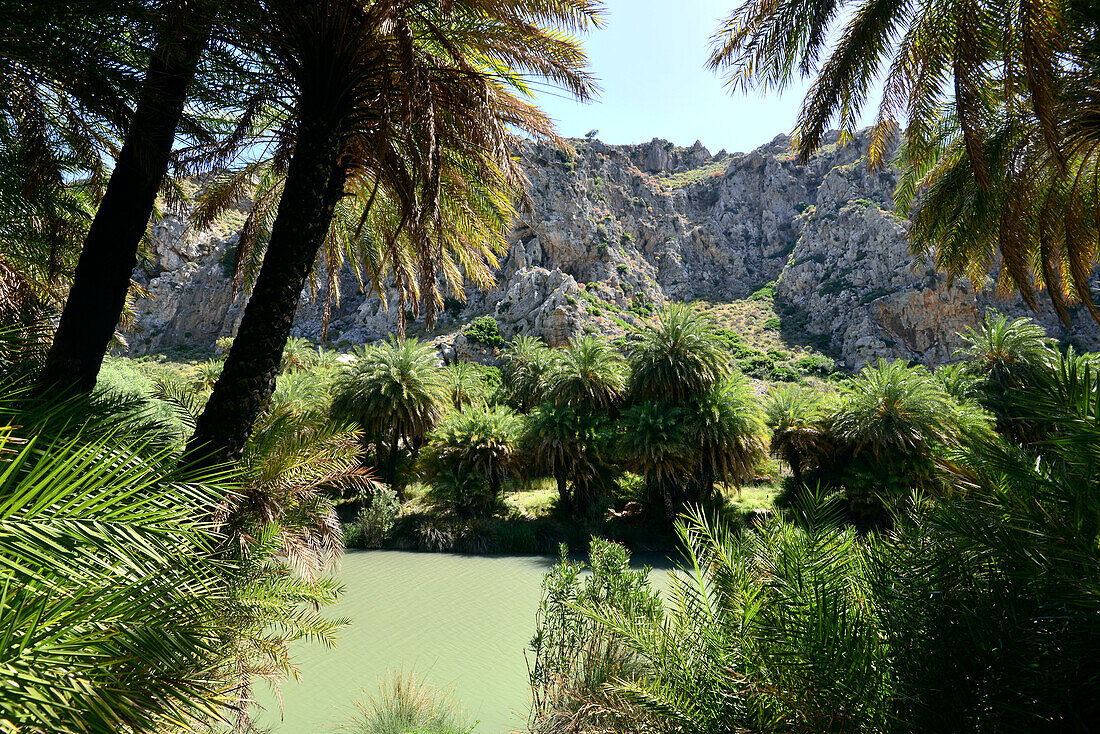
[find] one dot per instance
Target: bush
(574, 657)
(406, 706)
(375, 521)
(756, 364)
(815, 364)
(772, 323)
(485, 330)
(764, 293)
(784, 373)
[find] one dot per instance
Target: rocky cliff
(613, 230)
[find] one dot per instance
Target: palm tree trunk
(109, 254)
(391, 468)
(564, 502)
(314, 185)
(795, 462)
(496, 482)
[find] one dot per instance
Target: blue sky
(650, 58)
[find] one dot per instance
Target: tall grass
(404, 705)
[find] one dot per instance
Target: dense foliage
(976, 612)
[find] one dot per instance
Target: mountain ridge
(615, 229)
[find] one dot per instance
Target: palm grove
(159, 555)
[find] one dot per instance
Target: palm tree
(525, 365)
(890, 425)
(109, 253)
(588, 374)
(1000, 125)
(573, 445)
(938, 625)
(383, 93)
(655, 442)
(759, 630)
(1007, 356)
(795, 416)
(367, 235)
(678, 357)
(396, 392)
(125, 608)
(727, 426)
(63, 106)
(482, 442)
(465, 384)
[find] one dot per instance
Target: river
(459, 623)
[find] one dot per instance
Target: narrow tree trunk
(314, 185)
(795, 462)
(496, 482)
(391, 468)
(109, 254)
(582, 498)
(563, 490)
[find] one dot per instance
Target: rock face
(613, 229)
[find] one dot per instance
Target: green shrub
(574, 656)
(622, 268)
(729, 338)
(784, 373)
(756, 364)
(815, 364)
(375, 521)
(764, 293)
(406, 706)
(772, 323)
(485, 330)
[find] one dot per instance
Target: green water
(459, 623)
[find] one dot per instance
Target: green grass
(753, 497)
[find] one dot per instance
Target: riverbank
(460, 623)
(529, 523)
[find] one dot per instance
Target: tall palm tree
(588, 374)
(655, 442)
(397, 392)
(109, 252)
(678, 357)
(525, 365)
(998, 104)
(382, 93)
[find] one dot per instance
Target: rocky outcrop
(614, 228)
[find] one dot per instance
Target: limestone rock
(610, 227)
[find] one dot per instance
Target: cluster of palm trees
(377, 131)
(884, 434)
(671, 409)
(148, 582)
(975, 610)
